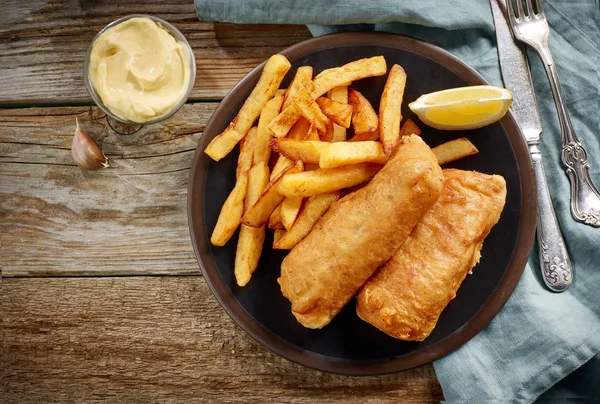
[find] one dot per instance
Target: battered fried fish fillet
(407, 295)
(359, 233)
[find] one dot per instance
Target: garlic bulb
(86, 153)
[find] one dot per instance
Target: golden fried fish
(407, 295)
(359, 233)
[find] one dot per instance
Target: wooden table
(102, 297)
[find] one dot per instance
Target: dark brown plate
(349, 345)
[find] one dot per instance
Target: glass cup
(119, 124)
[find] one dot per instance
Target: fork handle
(585, 198)
(554, 258)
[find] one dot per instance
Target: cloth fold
(539, 337)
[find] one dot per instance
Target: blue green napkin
(539, 337)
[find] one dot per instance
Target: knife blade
(555, 263)
(516, 76)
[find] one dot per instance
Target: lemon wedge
(462, 108)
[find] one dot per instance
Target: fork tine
(530, 12)
(520, 9)
(540, 9)
(512, 13)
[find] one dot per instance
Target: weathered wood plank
(131, 218)
(159, 339)
(43, 45)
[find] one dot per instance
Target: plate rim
(480, 319)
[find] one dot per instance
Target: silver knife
(554, 258)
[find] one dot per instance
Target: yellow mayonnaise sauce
(139, 70)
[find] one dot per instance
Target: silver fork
(530, 26)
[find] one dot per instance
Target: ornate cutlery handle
(554, 259)
(585, 198)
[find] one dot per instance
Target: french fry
(228, 220)
(454, 150)
(231, 213)
(310, 109)
(290, 207)
(314, 208)
(269, 200)
(281, 164)
(277, 234)
(344, 153)
(250, 241)
(223, 143)
(327, 136)
(365, 136)
(353, 71)
(270, 79)
(409, 128)
(325, 81)
(327, 71)
(364, 117)
(305, 150)
(298, 132)
(262, 151)
(339, 94)
(258, 179)
(275, 219)
(272, 75)
(389, 109)
(246, 156)
(283, 123)
(309, 183)
(302, 79)
(312, 134)
(340, 113)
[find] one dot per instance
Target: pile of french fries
(302, 131)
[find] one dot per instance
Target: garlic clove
(86, 152)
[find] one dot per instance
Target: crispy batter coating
(407, 295)
(359, 233)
